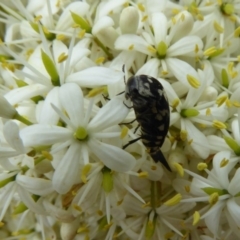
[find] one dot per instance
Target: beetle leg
(131, 142)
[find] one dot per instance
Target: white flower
(80, 137)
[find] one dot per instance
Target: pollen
(100, 60)
(131, 47)
(96, 91)
(219, 125)
(213, 199)
(151, 49)
(237, 32)
(143, 175)
(196, 218)
(224, 162)
(202, 166)
(62, 57)
(193, 81)
(179, 168)
(124, 132)
(218, 27)
(174, 200)
(141, 7)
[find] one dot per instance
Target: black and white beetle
(151, 107)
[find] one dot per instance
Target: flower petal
(38, 134)
(38, 186)
(112, 113)
(71, 98)
(95, 76)
(67, 172)
(113, 157)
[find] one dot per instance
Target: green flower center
(81, 134)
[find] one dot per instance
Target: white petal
(95, 76)
(133, 42)
(185, 46)
(234, 186)
(27, 199)
(112, 113)
(71, 98)
(113, 157)
(24, 93)
(38, 186)
(150, 68)
(222, 172)
(44, 135)
(67, 172)
(65, 21)
(234, 210)
(200, 143)
(47, 114)
(11, 134)
(180, 70)
(160, 26)
(102, 23)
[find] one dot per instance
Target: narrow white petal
(47, 114)
(200, 143)
(44, 135)
(38, 186)
(133, 42)
(234, 210)
(180, 70)
(102, 23)
(150, 68)
(29, 202)
(11, 134)
(95, 76)
(160, 26)
(185, 46)
(113, 157)
(112, 113)
(234, 186)
(71, 98)
(68, 170)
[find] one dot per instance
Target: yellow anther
(196, 48)
(183, 135)
(213, 199)
(119, 202)
(236, 104)
(147, 204)
(174, 200)
(95, 91)
(219, 125)
(37, 18)
(175, 11)
(174, 20)
(143, 175)
(208, 111)
(151, 49)
(100, 60)
(124, 132)
(201, 166)
(187, 188)
(182, 17)
(208, 52)
(82, 33)
(193, 81)
(154, 167)
(141, 7)
(224, 162)
(1, 224)
(179, 168)
(169, 235)
(47, 155)
(175, 103)
(45, 30)
(218, 27)
(100, 213)
(62, 57)
(78, 208)
(190, 141)
(86, 169)
(200, 17)
(144, 18)
(237, 32)
(196, 218)
(221, 100)
(131, 47)
(61, 37)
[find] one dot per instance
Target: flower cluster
(64, 120)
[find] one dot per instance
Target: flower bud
(209, 94)
(129, 20)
